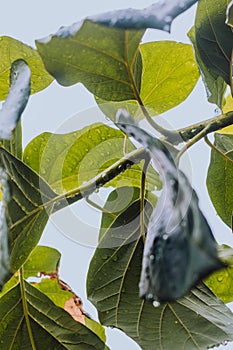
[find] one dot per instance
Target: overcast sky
(47, 110)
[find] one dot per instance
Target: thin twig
(191, 142)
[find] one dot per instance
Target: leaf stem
(25, 308)
(217, 150)
(214, 124)
(191, 142)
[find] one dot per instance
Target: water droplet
(152, 257)
(115, 258)
(165, 236)
(156, 303)
(168, 19)
(220, 278)
(166, 27)
(150, 296)
(104, 257)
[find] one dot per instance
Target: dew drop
(152, 257)
(104, 257)
(115, 258)
(156, 303)
(220, 278)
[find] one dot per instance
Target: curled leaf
(159, 16)
(180, 248)
(17, 98)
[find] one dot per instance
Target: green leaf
(97, 328)
(67, 160)
(52, 327)
(112, 286)
(214, 84)
(105, 60)
(110, 109)
(166, 66)
(169, 74)
(221, 282)
(28, 209)
(47, 266)
(220, 177)
(214, 37)
(12, 50)
(53, 290)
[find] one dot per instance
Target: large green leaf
(12, 50)
(105, 60)
(67, 160)
(195, 322)
(28, 209)
(214, 37)
(51, 327)
(214, 83)
(220, 177)
(169, 74)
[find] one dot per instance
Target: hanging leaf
(51, 327)
(214, 83)
(112, 286)
(220, 177)
(65, 161)
(105, 60)
(17, 98)
(12, 50)
(159, 16)
(214, 37)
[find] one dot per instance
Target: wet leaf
(214, 84)
(17, 98)
(112, 286)
(105, 60)
(220, 177)
(214, 37)
(52, 327)
(65, 161)
(12, 50)
(159, 16)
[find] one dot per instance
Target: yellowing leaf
(169, 74)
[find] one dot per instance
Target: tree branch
(210, 125)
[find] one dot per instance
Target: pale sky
(47, 110)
